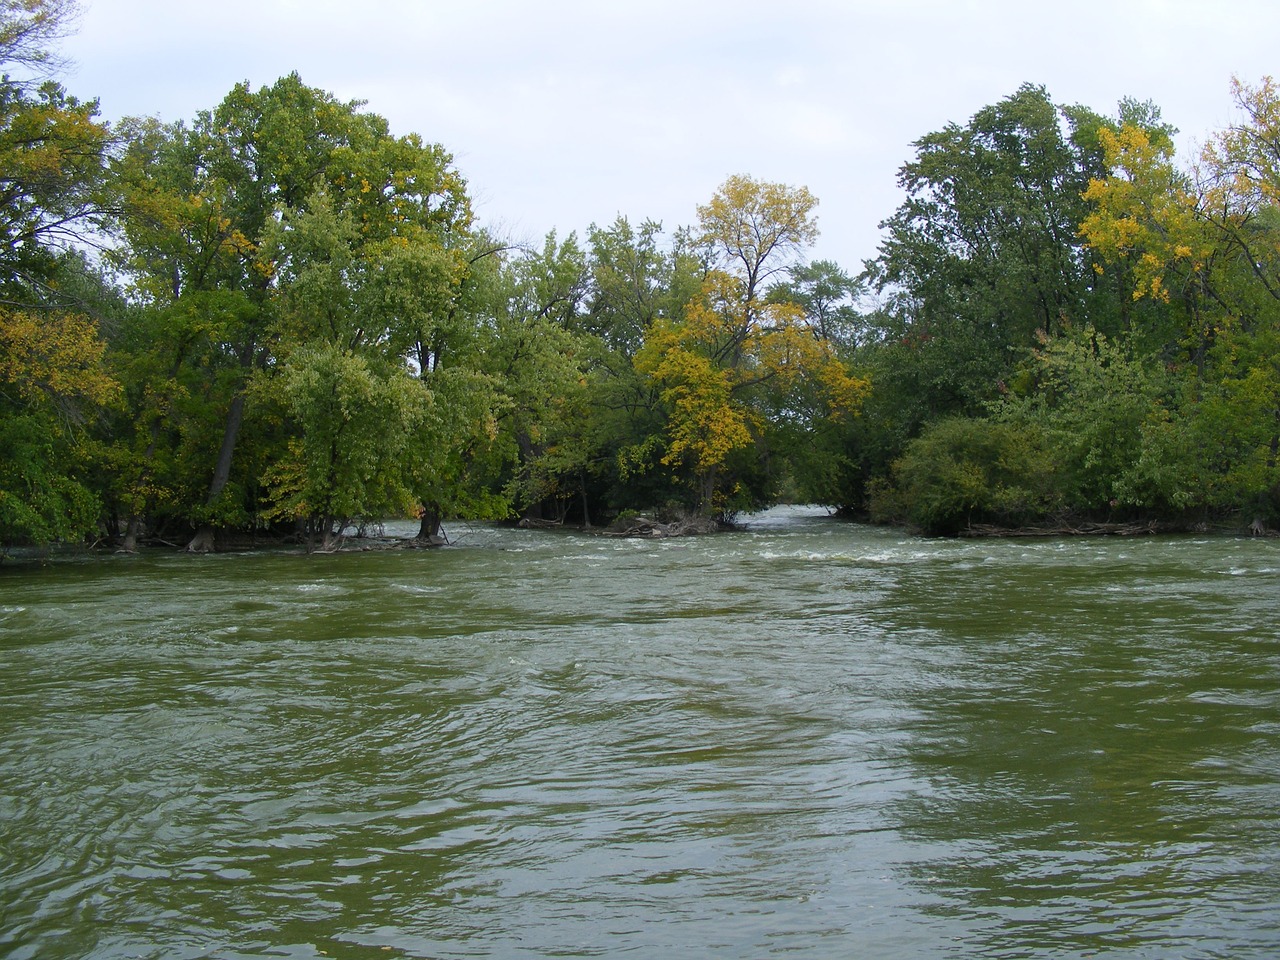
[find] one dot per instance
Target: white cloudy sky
(566, 112)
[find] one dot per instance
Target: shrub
(961, 471)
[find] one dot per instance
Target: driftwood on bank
(1066, 530)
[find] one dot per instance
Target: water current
(809, 738)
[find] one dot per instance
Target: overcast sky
(563, 113)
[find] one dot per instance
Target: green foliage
(536, 352)
(1234, 424)
(328, 234)
(52, 385)
(1206, 244)
(984, 254)
(355, 422)
(1095, 403)
(827, 296)
(961, 471)
(636, 278)
(44, 496)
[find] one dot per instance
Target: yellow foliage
(1243, 161)
(709, 365)
(758, 225)
(1185, 232)
(845, 393)
(1143, 209)
(54, 354)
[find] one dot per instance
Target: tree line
(280, 316)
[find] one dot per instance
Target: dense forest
(280, 318)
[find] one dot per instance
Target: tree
(51, 382)
(984, 253)
(636, 278)
(966, 470)
(736, 358)
(376, 323)
(1204, 243)
(52, 153)
(536, 352)
(209, 209)
(1096, 404)
(28, 30)
(982, 261)
(758, 228)
(348, 460)
(196, 202)
(639, 277)
(826, 294)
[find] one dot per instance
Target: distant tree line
(282, 317)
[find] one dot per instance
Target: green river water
(810, 738)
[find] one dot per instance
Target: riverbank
(402, 534)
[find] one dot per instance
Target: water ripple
(811, 737)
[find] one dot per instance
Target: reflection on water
(811, 737)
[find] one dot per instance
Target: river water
(810, 738)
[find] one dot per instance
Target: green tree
(1097, 405)
(385, 324)
(207, 208)
(966, 470)
(827, 295)
(537, 349)
(984, 254)
(639, 277)
(982, 261)
(354, 423)
(52, 382)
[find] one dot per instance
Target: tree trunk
(332, 537)
(707, 490)
(131, 531)
(429, 528)
(586, 514)
(202, 542)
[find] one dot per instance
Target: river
(810, 738)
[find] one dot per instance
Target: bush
(961, 471)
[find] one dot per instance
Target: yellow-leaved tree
(736, 364)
